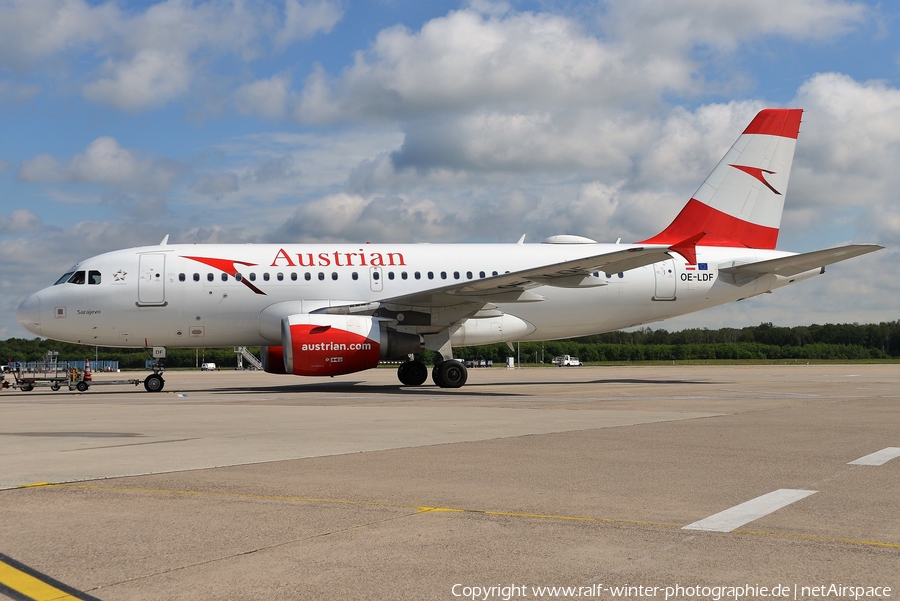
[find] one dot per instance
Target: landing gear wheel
(81, 386)
(450, 374)
(412, 373)
(154, 383)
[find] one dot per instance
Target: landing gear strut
(449, 374)
(412, 373)
(155, 382)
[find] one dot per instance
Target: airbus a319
(333, 309)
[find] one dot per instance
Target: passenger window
(224, 277)
(252, 277)
(196, 277)
(608, 276)
(455, 275)
(355, 276)
(469, 275)
(321, 276)
(266, 276)
(238, 276)
(403, 275)
(417, 275)
(334, 275)
(443, 275)
(181, 277)
(307, 276)
(94, 277)
(430, 275)
(390, 275)
(481, 274)
(209, 277)
(621, 275)
(494, 273)
(294, 276)
(77, 278)
(376, 275)
(280, 277)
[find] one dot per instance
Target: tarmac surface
(233, 485)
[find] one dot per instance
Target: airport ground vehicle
(567, 361)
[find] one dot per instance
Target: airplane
(329, 309)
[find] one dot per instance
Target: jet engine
(333, 345)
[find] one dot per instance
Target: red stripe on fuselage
(721, 229)
(227, 266)
(776, 122)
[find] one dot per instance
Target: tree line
(763, 342)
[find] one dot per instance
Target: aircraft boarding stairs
(243, 353)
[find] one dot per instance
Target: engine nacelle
(332, 345)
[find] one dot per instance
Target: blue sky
(395, 120)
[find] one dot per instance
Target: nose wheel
(154, 383)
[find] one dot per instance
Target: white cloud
(43, 169)
(678, 25)
(150, 57)
(20, 221)
(217, 185)
(304, 20)
(149, 79)
(847, 155)
(104, 162)
(267, 97)
(32, 30)
(496, 61)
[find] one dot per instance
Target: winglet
(687, 248)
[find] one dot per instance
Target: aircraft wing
(472, 295)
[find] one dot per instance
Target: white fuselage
(157, 296)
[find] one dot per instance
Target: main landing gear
(412, 373)
(450, 374)
(446, 374)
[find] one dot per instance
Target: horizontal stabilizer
(796, 264)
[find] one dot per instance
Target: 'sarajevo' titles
(338, 259)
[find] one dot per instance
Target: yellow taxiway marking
(426, 509)
(31, 586)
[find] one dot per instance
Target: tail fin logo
(758, 174)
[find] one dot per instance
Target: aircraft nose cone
(29, 314)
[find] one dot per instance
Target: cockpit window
(65, 278)
(77, 278)
(93, 277)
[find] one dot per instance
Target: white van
(207, 367)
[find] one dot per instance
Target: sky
(296, 121)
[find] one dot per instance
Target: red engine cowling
(333, 345)
(272, 359)
(329, 345)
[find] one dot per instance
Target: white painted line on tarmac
(878, 457)
(737, 516)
